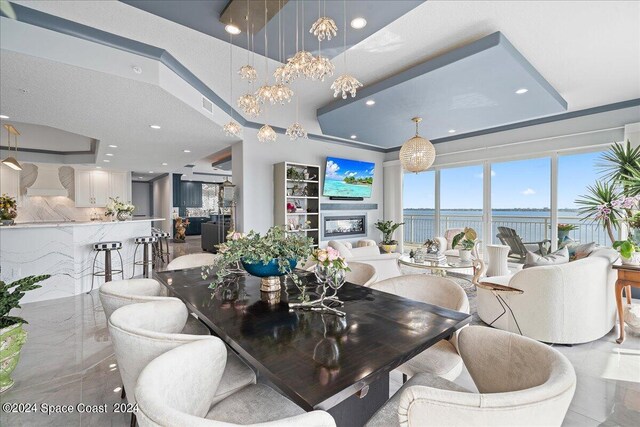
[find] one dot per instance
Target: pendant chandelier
(296, 130)
(418, 153)
(232, 128)
(321, 66)
(299, 65)
(248, 72)
(248, 103)
(280, 92)
(10, 161)
(324, 27)
(346, 83)
(266, 134)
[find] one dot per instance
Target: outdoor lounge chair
(518, 248)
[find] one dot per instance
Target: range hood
(47, 183)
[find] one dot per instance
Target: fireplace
(344, 225)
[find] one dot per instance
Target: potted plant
(465, 241)
(8, 210)
(387, 228)
(12, 336)
(267, 256)
(119, 209)
(563, 231)
(629, 251)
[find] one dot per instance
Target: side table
(498, 260)
(628, 276)
(496, 289)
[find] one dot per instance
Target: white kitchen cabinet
(93, 188)
(9, 181)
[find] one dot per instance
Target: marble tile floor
(68, 359)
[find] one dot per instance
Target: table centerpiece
(119, 209)
(8, 209)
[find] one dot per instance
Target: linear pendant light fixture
(10, 161)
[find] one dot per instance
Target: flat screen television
(347, 179)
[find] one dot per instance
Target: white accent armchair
(180, 388)
(386, 265)
(362, 274)
(442, 358)
(192, 260)
(521, 382)
(569, 303)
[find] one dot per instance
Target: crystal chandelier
(266, 134)
(265, 94)
(323, 28)
(418, 153)
(283, 74)
(232, 128)
(249, 105)
(281, 94)
(296, 131)
(320, 68)
(300, 63)
(346, 84)
(248, 73)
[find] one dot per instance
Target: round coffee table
(450, 264)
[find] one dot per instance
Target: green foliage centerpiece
(387, 228)
(12, 335)
(465, 241)
(268, 256)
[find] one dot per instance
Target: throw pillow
(560, 256)
(578, 251)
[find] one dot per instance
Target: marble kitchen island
(65, 250)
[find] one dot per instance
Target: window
(461, 198)
(419, 207)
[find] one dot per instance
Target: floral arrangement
(465, 239)
(8, 209)
(115, 206)
(253, 248)
(567, 227)
(330, 258)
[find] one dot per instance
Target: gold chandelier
(418, 153)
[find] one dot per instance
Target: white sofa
(569, 303)
(367, 252)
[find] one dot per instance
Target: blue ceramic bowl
(265, 270)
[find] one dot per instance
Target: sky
(517, 184)
(340, 168)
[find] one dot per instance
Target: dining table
(318, 360)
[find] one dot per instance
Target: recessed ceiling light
(232, 29)
(140, 177)
(154, 126)
(150, 171)
(186, 151)
(164, 164)
(113, 146)
(521, 91)
(110, 154)
(354, 136)
(452, 131)
(137, 70)
(2, 116)
(358, 23)
(370, 102)
(106, 161)
(98, 167)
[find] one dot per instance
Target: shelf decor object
(418, 153)
(297, 204)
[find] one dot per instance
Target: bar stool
(159, 251)
(108, 272)
(145, 241)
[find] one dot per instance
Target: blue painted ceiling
(203, 16)
(468, 89)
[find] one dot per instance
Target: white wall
(141, 198)
(162, 203)
(253, 174)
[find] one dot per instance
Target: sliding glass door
(461, 198)
(419, 207)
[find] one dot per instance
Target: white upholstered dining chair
(362, 274)
(180, 388)
(142, 332)
(521, 382)
(442, 358)
(119, 293)
(192, 261)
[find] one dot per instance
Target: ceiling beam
(236, 13)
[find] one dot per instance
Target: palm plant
(596, 205)
(631, 182)
(620, 161)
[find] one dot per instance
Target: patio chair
(518, 248)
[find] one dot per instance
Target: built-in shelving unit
(297, 198)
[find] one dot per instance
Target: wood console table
(628, 276)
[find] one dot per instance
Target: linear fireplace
(344, 225)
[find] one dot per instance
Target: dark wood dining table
(319, 361)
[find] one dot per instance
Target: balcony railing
(418, 228)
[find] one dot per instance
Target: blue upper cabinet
(186, 194)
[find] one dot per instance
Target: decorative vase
(7, 222)
(465, 255)
(388, 248)
(123, 215)
(12, 338)
(634, 260)
(269, 273)
(562, 235)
